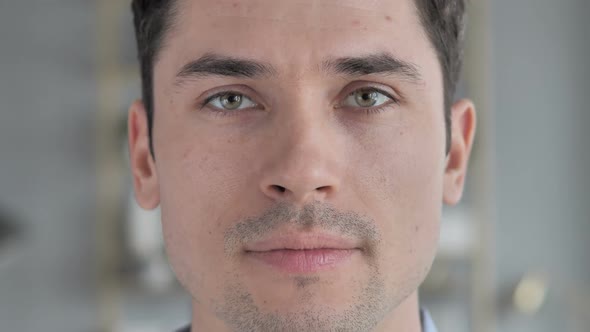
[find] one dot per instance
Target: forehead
(295, 36)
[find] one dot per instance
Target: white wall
(47, 112)
(541, 74)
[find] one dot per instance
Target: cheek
(406, 189)
(401, 168)
(401, 179)
(199, 187)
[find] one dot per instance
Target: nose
(304, 162)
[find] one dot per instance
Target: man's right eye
(229, 101)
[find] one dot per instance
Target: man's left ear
(462, 133)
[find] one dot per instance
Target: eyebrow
(218, 65)
(212, 64)
(382, 63)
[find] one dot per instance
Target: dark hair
(152, 20)
(443, 20)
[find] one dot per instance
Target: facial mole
(388, 18)
(235, 5)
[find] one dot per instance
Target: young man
(301, 151)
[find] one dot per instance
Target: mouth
(303, 253)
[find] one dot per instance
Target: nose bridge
(306, 131)
(304, 163)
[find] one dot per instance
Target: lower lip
(303, 261)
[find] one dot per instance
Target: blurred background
(77, 254)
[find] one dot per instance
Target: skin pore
(278, 117)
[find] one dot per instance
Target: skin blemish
(235, 5)
(388, 18)
(186, 154)
(356, 23)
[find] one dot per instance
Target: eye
(367, 97)
(230, 101)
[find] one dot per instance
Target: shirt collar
(427, 323)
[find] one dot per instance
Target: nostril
(324, 188)
(279, 188)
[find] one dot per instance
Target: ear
(462, 133)
(143, 166)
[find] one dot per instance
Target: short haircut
(443, 21)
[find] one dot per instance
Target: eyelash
(366, 111)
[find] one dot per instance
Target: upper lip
(302, 241)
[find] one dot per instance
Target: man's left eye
(366, 98)
(230, 101)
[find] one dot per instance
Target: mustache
(315, 215)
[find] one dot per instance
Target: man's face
(300, 189)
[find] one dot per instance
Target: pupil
(232, 101)
(367, 98)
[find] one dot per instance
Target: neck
(404, 318)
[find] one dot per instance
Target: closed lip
(302, 241)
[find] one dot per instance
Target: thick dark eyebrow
(218, 65)
(382, 63)
(212, 64)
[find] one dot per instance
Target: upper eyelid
(385, 93)
(221, 93)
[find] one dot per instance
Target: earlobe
(463, 132)
(143, 167)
